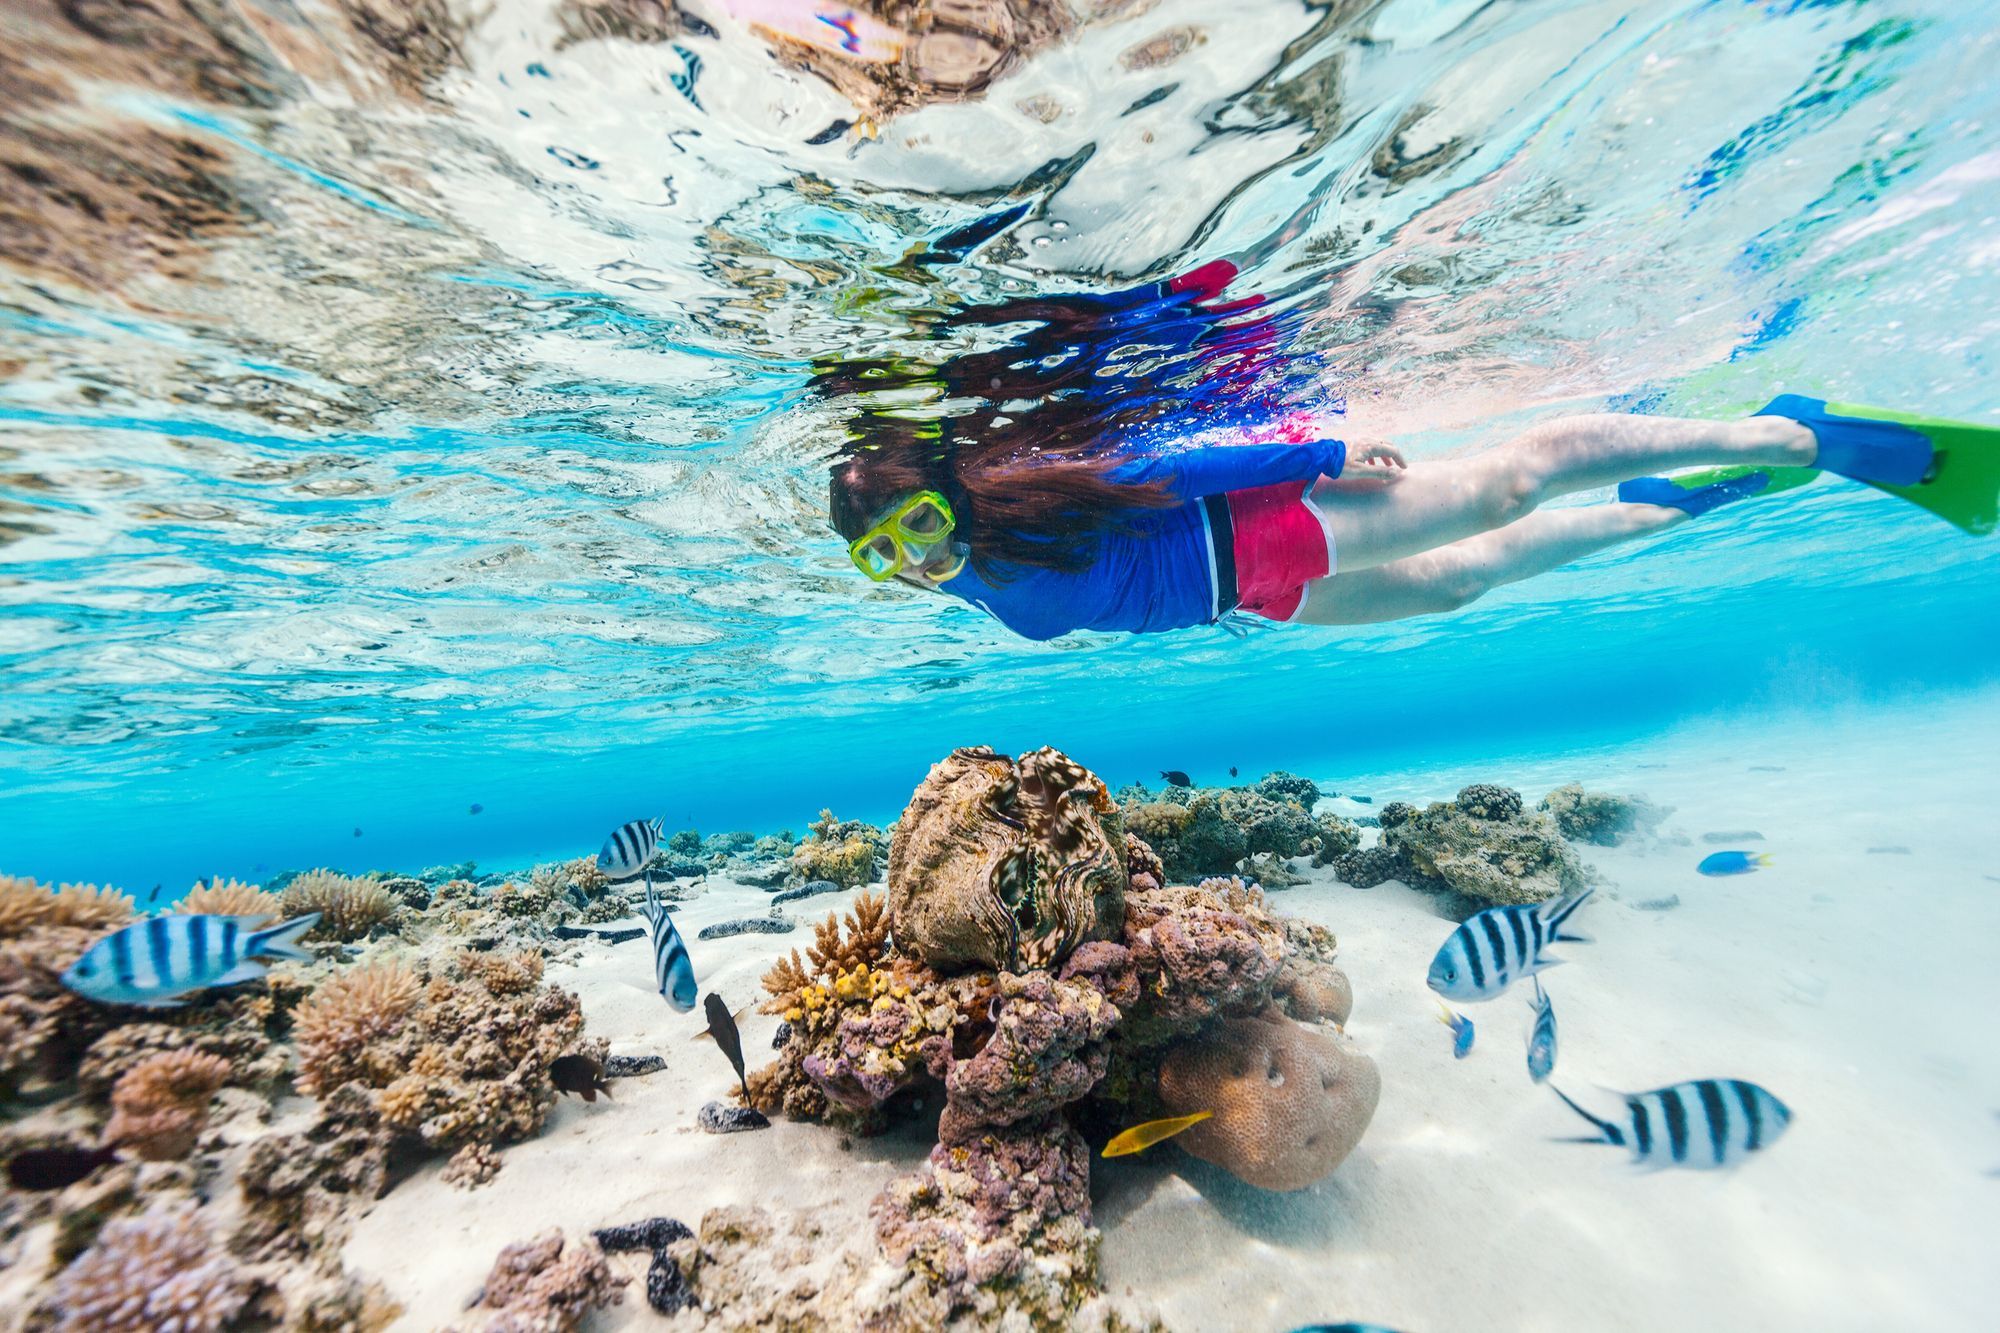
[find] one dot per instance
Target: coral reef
(299, 1190)
(1599, 817)
(44, 1026)
(471, 1166)
(547, 1285)
(1484, 845)
(1289, 1101)
(1212, 831)
(457, 1051)
(228, 897)
(160, 1105)
(349, 908)
(146, 1274)
(841, 851)
(26, 906)
(1366, 868)
(1006, 863)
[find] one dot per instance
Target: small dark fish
(154, 896)
(579, 1074)
(1232, 770)
(54, 1168)
(357, 832)
(722, 1027)
(1732, 863)
(1343, 1328)
(476, 808)
(832, 132)
(1176, 778)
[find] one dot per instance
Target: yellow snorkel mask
(906, 538)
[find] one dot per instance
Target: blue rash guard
(1159, 575)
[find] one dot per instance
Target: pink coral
(547, 1285)
(1047, 1050)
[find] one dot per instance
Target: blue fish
(153, 962)
(1542, 1040)
(1343, 1328)
(1733, 863)
(671, 964)
(630, 850)
(1461, 1030)
(1499, 946)
(1706, 1123)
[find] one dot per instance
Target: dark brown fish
(722, 1027)
(1176, 778)
(53, 1168)
(579, 1074)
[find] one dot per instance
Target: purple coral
(149, 1273)
(1047, 1050)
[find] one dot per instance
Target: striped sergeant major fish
(155, 961)
(1499, 946)
(1542, 1038)
(630, 849)
(1708, 1123)
(671, 964)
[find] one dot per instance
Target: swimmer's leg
(1433, 504)
(1449, 577)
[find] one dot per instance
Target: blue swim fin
(1951, 468)
(1698, 492)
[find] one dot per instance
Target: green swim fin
(1782, 478)
(1963, 487)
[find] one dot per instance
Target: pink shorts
(1282, 544)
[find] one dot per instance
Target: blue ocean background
(482, 465)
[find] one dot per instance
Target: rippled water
(407, 405)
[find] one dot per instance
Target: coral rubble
(1199, 831)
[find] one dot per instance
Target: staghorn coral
(228, 897)
(834, 952)
(160, 1105)
(547, 1285)
(843, 852)
(338, 1027)
(1289, 1102)
(147, 1274)
(349, 908)
(503, 974)
(1006, 863)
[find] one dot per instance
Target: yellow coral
(160, 1105)
(337, 1022)
(349, 908)
(229, 897)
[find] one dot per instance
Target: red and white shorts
(1275, 545)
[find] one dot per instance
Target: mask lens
(926, 522)
(878, 557)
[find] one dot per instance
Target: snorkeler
(1321, 532)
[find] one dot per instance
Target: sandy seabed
(1852, 978)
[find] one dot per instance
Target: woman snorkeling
(1083, 518)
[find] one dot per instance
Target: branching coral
(339, 1026)
(160, 1105)
(146, 1274)
(795, 984)
(547, 1285)
(229, 897)
(349, 908)
(26, 905)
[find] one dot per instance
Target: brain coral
(146, 1274)
(1289, 1101)
(1006, 864)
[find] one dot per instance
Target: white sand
(1853, 985)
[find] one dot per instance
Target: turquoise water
(394, 426)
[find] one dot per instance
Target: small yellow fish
(1141, 1137)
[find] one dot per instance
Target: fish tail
(282, 940)
(1561, 913)
(1763, 858)
(1608, 1132)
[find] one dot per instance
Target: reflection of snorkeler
(1058, 536)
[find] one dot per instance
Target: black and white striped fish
(1707, 1123)
(1500, 946)
(155, 961)
(1542, 1039)
(671, 964)
(629, 850)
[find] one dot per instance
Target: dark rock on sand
(771, 876)
(666, 1289)
(747, 925)
(1366, 869)
(655, 1233)
(1732, 835)
(608, 936)
(1666, 904)
(632, 1066)
(812, 888)
(1889, 851)
(718, 1118)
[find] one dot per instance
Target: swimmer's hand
(1375, 462)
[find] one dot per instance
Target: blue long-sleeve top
(1156, 572)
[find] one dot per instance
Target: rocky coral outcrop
(1212, 831)
(844, 851)
(160, 1105)
(546, 1285)
(1483, 845)
(146, 1274)
(1599, 817)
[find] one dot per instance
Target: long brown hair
(1037, 426)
